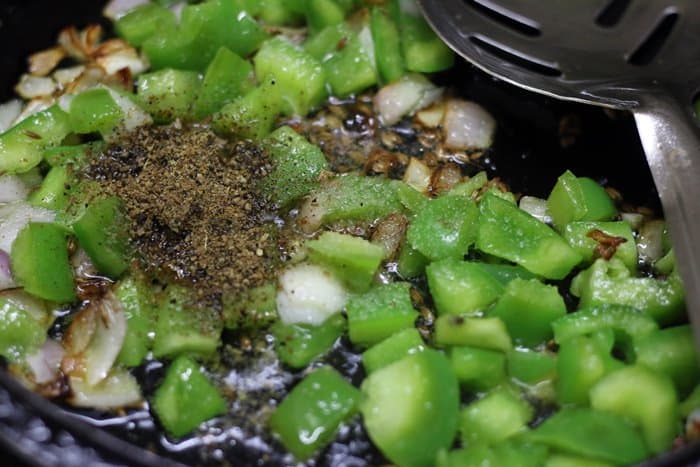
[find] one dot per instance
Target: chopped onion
(431, 117)
(634, 219)
(13, 218)
(30, 86)
(6, 280)
(118, 8)
(9, 111)
(32, 178)
(127, 58)
(389, 233)
(32, 107)
(417, 175)
(63, 76)
(311, 214)
(405, 96)
(134, 116)
(46, 362)
(91, 76)
(118, 389)
(309, 294)
(467, 125)
(107, 340)
(650, 241)
(29, 304)
(42, 63)
(536, 207)
(12, 188)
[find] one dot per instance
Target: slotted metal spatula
(638, 55)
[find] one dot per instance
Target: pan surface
(537, 139)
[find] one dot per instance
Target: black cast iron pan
(538, 138)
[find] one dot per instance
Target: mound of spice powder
(195, 212)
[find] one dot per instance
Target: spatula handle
(670, 136)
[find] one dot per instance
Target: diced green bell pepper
(353, 260)
(494, 418)
(671, 351)
(297, 345)
(300, 78)
(325, 43)
(505, 273)
(392, 349)
(404, 400)
(254, 308)
(23, 324)
(644, 396)
(578, 199)
(186, 398)
(509, 453)
(461, 286)
(184, 327)
(51, 194)
(297, 166)
(308, 418)
(227, 77)
(387, 45)
(168, 94)
(508, 232)
(379, 313)
(40, 262)
(279, 13)
(598, 435)
(470, 186)
(582, 361)
(72, 155)
(578, 234)
(531, 367)
(323, 13)
(691, 403)
(611, 282)
(445, 228)
(411, 262)
(252, 115)
(484, 333)
(95, 110)
(23, 145)
(135, 298)
(478, 369)
(528, 308)
(144, 21)
(103, 232)
(565, 460)
(355, 198)
(423, 51)
(352, 69)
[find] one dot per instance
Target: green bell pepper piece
(72, 155)
(411, 262)
(387, 45)
(578, 234)
(168, 94)
(255, 308)
(379, 313)
(484, 333)
(644, 396)
(325, 43)
(509, 453)
(308, 418)
(300, 78)
(323, 13)
(23, 325)
(507, 232)
(691, 403)
(51, 194)
(355, 198)
(252, 115)
(297, 345)
(478, 369)
(611, 282)
(186, 398)
(445, 228)
(565, 460)
(494, 418)
(353, 260)
(578, 199)
(671, 351)
(461, 286)
(40, 262)
(531, 367)
(352, 69)
(528, 308)
(23, 145)
(95, 110)
(423, 51)
(598, 435)
(135, 298)
(470, 186)
(227, 77)
(102, 232)
(297, 166)
(402, 403)
(144, 21)
(279, 13)
(184, 327)
(505, 273)
(582, 361)
(392, 349)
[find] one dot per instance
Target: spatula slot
(612, 13)
(654, 42)
(505, 17)
(515, 59)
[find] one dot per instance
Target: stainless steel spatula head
(638, 55)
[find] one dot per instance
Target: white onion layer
(467, 125)
(309, 294)
(405, 96)
(13, 218)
